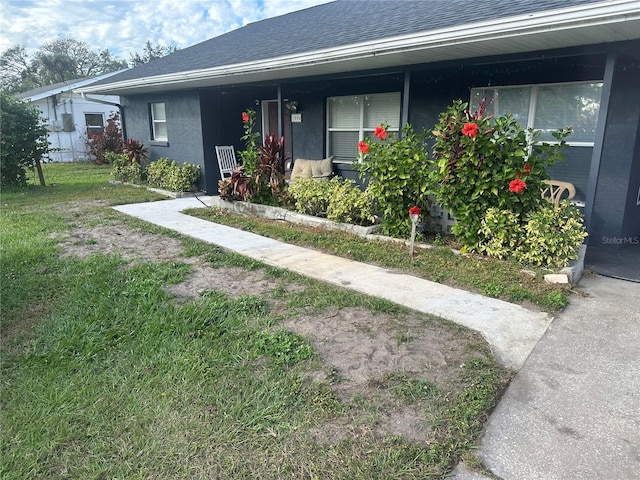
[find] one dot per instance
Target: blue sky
(123, 26)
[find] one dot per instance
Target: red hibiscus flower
(380, 132)
(527, 169)
(245, 117)
(363, 147)
(517, 185)
(415, 210)
(470, 129)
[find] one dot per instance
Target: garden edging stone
(276, 213)
(166, 193)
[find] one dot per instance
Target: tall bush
(481, 162)
(250, 156)
(23, 141)
(396, 172)
(110, 140)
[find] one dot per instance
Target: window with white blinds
(351, 119)
(547, 108)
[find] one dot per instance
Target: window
(94, 123)
(158, 122)
(548, 107)
(351, 119)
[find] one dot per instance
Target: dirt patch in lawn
(389, 371)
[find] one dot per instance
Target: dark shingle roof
(335, 24)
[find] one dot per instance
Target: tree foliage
(23, 140)
(65, 59)
(56, 61)
(151, 52)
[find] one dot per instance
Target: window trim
(532, 105)
(153, 121)
(361, 129)
(91, 128)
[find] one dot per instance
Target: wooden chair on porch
(226, 159)
(556, 191)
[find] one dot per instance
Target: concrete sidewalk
(511, 331)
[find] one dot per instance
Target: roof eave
(588, 24)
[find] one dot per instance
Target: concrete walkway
(573, 409)
(511, 331)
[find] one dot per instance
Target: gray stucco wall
(184, 130)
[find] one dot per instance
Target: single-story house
(325, 76)
(70, 116)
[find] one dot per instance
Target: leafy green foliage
(55, 61)
(552, 235)
(338, 199)
(169, 175)
(311, 196)
(396, 172)
(23, 140)
(151, 52)
(260, 178)
(500, 233)
(475, 161)
(110, 140)
(250, 156)
(122, 169)
(548, 236)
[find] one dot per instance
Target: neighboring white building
(71, 116)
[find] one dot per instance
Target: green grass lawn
(491, 277)
(107, 374)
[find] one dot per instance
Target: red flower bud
(363, 147)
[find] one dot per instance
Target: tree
(56, 61)
(23, 141)
(17, 73)
(68, 59)
(151, 52)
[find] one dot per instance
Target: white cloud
(123, 26)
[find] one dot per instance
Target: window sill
(158, 143)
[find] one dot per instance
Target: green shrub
(122, 169)
(157, 170)
(349, 204)
(552, 235)
(396, 172)
(338, 199)
(167, 174)
(500, 233)
(311, 196)
(481, 162)
(548, 236)
(24, 140)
